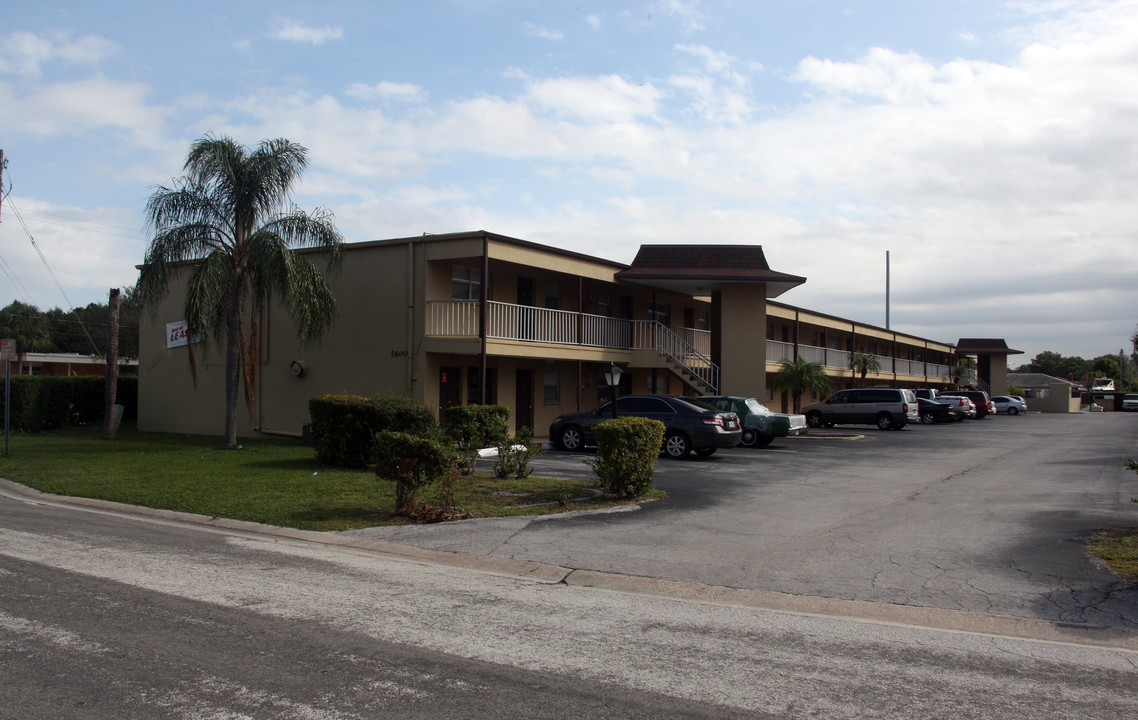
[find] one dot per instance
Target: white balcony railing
(686, 346)
(840, 360)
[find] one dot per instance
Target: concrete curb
(916, 617)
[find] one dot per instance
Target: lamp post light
(612, 377)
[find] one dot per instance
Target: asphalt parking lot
(981, 516)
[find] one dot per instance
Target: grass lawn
(1119, 550)
(277, 482)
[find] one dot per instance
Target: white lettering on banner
(176, 335)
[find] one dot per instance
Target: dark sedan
(933, 412)
(690, 425)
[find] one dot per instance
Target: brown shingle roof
(708, 265)
(991, 346)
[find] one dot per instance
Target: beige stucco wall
(743, 339)
(368, 351)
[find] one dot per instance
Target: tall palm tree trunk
(233, 365)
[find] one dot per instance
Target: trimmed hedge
(344, 426)
(46, 402)
(473, 427)
(411, 461)
(627, 448)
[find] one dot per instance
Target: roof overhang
(703, 269)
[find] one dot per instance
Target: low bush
(627, 449)
(473, 427)
(412, 461)
(344, 426)
(514, 455)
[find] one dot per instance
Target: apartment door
(523, 399)
(525, 308)
(450, 390)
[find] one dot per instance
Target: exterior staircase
(691, 366)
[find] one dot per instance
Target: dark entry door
(525, 308)
(523, 405)
(450, 390)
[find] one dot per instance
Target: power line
(51, 272)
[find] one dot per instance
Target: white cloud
(543, 33)
(72, 108)
(713, 61)
(594, 21)
(689, 13)
(388, 91)
(24, 53)
(609, 98)
(297, 31)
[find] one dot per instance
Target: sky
(991, 148)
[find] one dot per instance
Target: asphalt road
(123, 615)
(986, 516)
(928, 573)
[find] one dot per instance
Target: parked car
(1102, 384)
(690, 425)
(1008, 404)
(887, 408)
(932, 412)
(760, 425)
(962, 407)
(979, 398)
(1130, 402)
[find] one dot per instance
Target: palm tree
(229, 217)
(28, 327)
(799, 376)
(863, 364)
(963, 370)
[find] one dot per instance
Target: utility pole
(3, 164)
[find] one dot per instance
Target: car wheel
(814, 419)
(750, 438)
(764, 441)
(928, 418)
(885, 421)
(676, 445)
(1013, 411)
(705, 452)
(571, 439)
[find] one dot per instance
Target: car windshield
(757, 408)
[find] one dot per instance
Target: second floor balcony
(840, 360)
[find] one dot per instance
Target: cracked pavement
(985, 516)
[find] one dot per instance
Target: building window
(661, 313)
(552, 296)
(552, 386)
(465, 283)
(703, 324)
(658, 383)
(604, 304)
(770, 331)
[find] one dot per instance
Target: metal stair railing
(682, 353)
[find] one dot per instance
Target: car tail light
(713, 421)
(904, 407)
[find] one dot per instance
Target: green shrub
(412, 461)
(627, 449)
(46, 402)
(514, 455)
(473, 427)
(344, 426)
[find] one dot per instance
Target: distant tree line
(1120, 368)
(82, 330)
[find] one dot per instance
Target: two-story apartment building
(466, 317)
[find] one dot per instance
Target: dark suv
(689, 424)
(887, 408)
